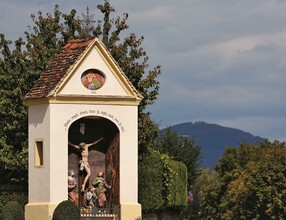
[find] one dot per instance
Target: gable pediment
(84, 71)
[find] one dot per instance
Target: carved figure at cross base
(100, 188)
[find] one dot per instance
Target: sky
(223, 61)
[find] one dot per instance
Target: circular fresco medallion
(92, 79)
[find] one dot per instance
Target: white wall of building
(39, 177)
(49, 183)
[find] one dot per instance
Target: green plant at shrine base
(66, 210)
(7, 197)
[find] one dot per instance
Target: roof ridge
(77, 43)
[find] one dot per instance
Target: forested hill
(213, 139)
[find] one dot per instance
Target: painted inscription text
(98, 113)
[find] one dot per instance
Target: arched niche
(103, 156)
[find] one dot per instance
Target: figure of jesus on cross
(83, 163)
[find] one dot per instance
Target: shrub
(66, 210)
(176, 183)
(151, 188)
(6, 197)
(162, 182)
(21, 198)
(13, 211)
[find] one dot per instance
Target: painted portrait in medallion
(93, 79)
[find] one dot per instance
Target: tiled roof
(59, 67)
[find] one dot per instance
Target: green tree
(133, 60)
(206, 192)
(252, 181)
(181, 149)
(21, 67)
(249, 182)
(14, 81)
(13, 67)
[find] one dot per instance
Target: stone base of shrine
(39, 211)
(130, 211)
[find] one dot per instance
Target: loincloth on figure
(82, 165)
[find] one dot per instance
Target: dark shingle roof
(59, 67)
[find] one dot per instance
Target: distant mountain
(213, 139)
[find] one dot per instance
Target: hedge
(176, 184)
(5, 198)
(151, 188)
(13, 211)
(162, 182)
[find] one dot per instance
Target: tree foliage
(182, 149)
(249, 183)
(205, 196)
(22, 66)
(15, 82)
(256, 186)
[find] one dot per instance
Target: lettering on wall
(98, 113)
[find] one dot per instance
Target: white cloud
(223, 61)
